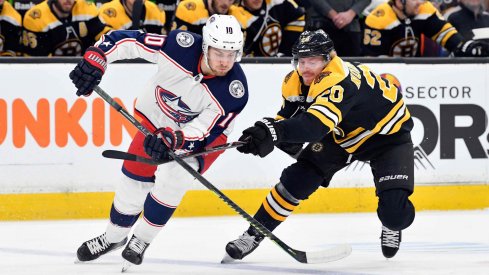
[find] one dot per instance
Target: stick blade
(332, 254)
(114, 154)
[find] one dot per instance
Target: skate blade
(227, 259)
(125, 266)
(76, 261)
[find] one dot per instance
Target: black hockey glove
(261, 138)
(472, 48)
(164, 139)
(89, 71)
(172, 139)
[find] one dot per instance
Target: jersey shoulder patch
(291, 86)
(39, 18)
(192, 11)
(382, 17)
(113, 14)
(184, 39)
(335, 72)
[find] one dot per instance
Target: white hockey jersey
(179, 96)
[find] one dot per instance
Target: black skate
(96, 247)
(390, 241)
(241, 247)
(134, 252)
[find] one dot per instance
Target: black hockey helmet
(312, 43)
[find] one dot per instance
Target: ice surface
(451, 242)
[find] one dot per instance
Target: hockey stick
(329, 255)
(114, 154)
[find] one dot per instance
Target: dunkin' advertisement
(51, 140)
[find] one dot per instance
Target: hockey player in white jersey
(191, 102)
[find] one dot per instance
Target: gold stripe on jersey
(297, 25)
(398, 124)
(328, 110)
(322, 116)
(444, 34)
(9, 14)
(350, 135)
(382, 18)
(396, 114)
(192, 11)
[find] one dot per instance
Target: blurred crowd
(398, 28)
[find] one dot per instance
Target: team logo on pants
(317, 147)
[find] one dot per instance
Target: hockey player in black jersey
(347, 112)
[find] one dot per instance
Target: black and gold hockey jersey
(10, 30)
(114, 15)
(191, 15)
(352, 102)
(385, 34)
(47, 35)
(271, 30)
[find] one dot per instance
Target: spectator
(191, 15)
(10, 29)
(428, 47)
(133, 15)
(22, 6)
(339, 19)
(444, 6)
(394, 29)
(470, 19)
(61, 28)
(168, 7)
(271, 27)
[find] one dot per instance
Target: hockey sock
(156, 215)
(276, 207)
(120, 225)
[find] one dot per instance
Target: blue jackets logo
(173, 106)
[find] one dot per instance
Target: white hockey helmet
(222, 32)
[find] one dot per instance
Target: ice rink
(455, 242)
